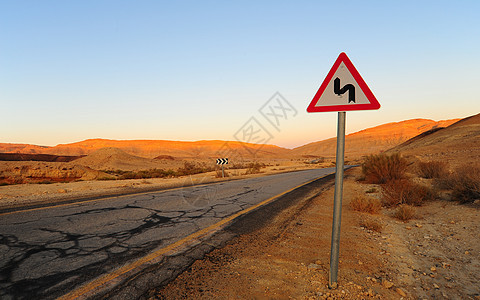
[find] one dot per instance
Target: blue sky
(194, 70)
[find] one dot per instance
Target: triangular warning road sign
(343, 90)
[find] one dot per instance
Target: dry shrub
(432, 169)
(218, 173)
(143, 174)
(254, 168)
(404, 212)
(465, 183)
(238, 166)
(405, 191)
(191, 168)
(382, 168)
(371, 224)
(366, 204)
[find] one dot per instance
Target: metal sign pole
(344, 78)
(223, 175)
(337, 202)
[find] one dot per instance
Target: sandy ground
(435, 256)
(33, 194)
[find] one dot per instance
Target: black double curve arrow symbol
(340, 91)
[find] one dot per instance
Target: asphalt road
(45, 253)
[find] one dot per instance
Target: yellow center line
(122, 270)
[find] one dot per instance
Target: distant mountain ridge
(155, 148)
(367, 141)
(22, 148)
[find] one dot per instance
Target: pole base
(333, 285)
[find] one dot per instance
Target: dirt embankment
(435, 256)
(18, 172)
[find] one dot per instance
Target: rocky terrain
(14, 172)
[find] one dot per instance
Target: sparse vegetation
(432, 169)
(191, 168)
(405, 212)
(366, 204)
(405, 191)
(187, 169)
(382, 168)
(390, 171)
(218, 173)
(465, 183)
(371, 224)
(144, 174)
(254, 168)
(238, 166)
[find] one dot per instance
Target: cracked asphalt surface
(48, 252)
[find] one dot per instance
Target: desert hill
(117, 159)
(372, 140)
(455, 144)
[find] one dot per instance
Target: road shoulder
(288, 258)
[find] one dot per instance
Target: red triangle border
(374, 104)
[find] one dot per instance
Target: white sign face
(350, 96)
(343, 90)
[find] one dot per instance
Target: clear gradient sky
(194, 70)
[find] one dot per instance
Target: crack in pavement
(81, 251)
(20, 274)
(67, 246)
